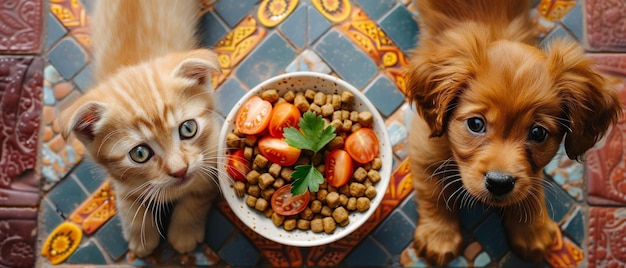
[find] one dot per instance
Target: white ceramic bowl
(300, 81)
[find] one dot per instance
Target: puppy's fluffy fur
(492, 111)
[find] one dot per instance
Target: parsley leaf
(311, 136)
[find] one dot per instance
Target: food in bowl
(263, 159)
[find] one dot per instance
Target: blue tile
(395, 233)
(557, 33)
(228, 94)
(492, 236)
(346, 59)
(238, 251)
(376, 9)
(67, 57)
(575, 227)
(292, 27)
(55, 31)
(558, 202)
(385, 95)
(211, 29)
(409, 208)
(317, 24)
(233, 11)
(84, 79)
(49, 217)
(218, 228)
(110, 237)
(66, 196)
(88, 253)
(573, 21)
(401, 27)
(367, 253)
(267, 60)
(48, 96)
(90, 174)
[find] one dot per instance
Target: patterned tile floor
(46, 185)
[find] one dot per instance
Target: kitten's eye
(476, 125)
(188, 129)
(141, 154)
(537, 134)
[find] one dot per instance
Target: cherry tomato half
(338, 168)
(286, 204)
(237, 166)
(284, 115)
(278, 151)
(253, 116)
(362, 145)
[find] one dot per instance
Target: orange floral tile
(74, 17)
(62, 242)
(565, 253)
(372, 39)
(235, 46)
(96, 210)
(555, 10)
(333, 10)
(273, 12)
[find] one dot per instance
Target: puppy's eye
(476, 125)
(537, 134)
(141, 154)
(188, 129)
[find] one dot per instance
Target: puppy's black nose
(499, 183)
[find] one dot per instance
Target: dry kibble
(357, 189)
(301, 103)
(362, 204)
(254, 190)
(366, 118)
(303, 224)
(285, 173)
(337, 124)
(335, 101)
(347, 125)
(240, 188)
(265, 180)
(370, 192)
(233, 141)
(315, 108)
(336, 116)
(247, 153)
(347, 97)
(321, 195)
(317, 226)
(251, 201)
(327, 110)
(360, 174)
(274, 169)
(329, 225)
(344, 190)
(336, 142)
(344, 223)
(351, 203)
(261, 204)
(250, 140)
(253, 177)
(267, 193)
(268, 212)
(289, 224)
(340, 214)
(343, 200)
(277, 219)
(355, 127)
(316, 206)
(377, 163)
(289, 96)
(354, 116)
(319, 98)
(307, 214)
(270, 95)
(332, 199)
(310, 94)
(326, 211)
(373, 175)
(260, 161)
(278, 183)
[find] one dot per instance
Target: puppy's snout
(499, 183)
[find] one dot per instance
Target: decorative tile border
(21, 26)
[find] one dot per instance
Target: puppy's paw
(533, 242)
(185, 238)
(437, 244)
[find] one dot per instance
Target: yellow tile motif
(96, 210)
(555, 10)
(62, 242)
(74, 17)
(273, 12)
(334, 10)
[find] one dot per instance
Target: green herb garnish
(311, 136)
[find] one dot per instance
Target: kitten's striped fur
(152, 84)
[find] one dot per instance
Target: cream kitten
(149, 120)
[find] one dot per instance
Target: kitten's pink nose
(180, 173)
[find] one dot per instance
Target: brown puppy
(492, 111)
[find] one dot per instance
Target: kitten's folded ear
(82, 118)
(197, 66)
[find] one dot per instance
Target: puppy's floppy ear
(439, 71)
(588, 100)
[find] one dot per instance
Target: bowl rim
(226, 182)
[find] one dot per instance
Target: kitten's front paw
(185, 239)
(533, 242)
(143, 247)
(437, 244)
